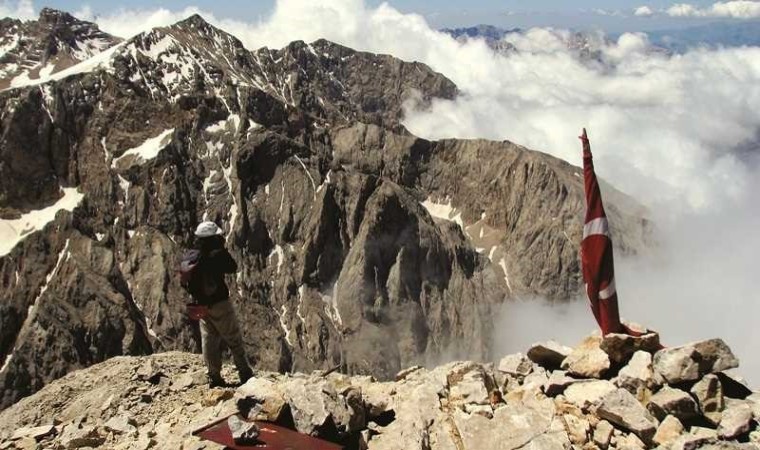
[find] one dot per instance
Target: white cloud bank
(666, 129)
(643, 11)
(738, 9)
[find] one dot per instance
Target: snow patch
(444, 211)
(278, 251)
(14, 231)
(283, 313)
(503, 265)
(147, 150)
(223, 125)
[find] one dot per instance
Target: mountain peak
(50, 15)
(194, 21)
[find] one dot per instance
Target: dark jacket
(215, 262)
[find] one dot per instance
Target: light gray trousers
(221, 325)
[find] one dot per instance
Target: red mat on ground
(272, 437)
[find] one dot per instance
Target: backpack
(198, 283)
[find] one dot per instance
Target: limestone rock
(472, 386)
(215, 396)
(557, 383)
(668, 431)
(587, 393)
(36, 433)
(121, 424)
(671, 401)
(735, 421)
(621, 408)
(188, 380)
(692, 361)
(620, 347)
(638, 376)
(587, 360)
(630, 442)
(577, 429)
(549, 355)
(709, 394)
(266, 393)
(87, 436)
(243, 433)
(603, 434)
(516, 364)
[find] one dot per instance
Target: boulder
(692, 361)
(243, 433)
(263, 392)
(668, 431)
(549, 355)
(577, 429)
(620, 347)
(121, 424)
(513, 426)
(629, 442)
(621, 408)
(517, 365)
(188, 380)
(638, 376)
(603, 434)
(87, 436)
(472, 386)
(735, 421)
(587, 360)
(557, 383)
(671, 401)
(587, 393)
(709, 395)
(36, 433)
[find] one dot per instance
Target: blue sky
(448, 13)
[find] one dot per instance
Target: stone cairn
(617, 392)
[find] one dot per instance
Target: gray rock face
(324, 198)
(692, 361)
(621, 408)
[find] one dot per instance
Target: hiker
(202, 272)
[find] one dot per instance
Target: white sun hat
(207, 229)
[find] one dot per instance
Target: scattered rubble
(623, 402)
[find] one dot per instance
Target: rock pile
(616, 392)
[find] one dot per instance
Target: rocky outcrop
(359, 245)
(152, 402)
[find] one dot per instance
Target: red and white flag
(596, 252)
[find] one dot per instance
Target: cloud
(21, 9)
(665, 129)
(738, 9)
(643, 11)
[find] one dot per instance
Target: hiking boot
(245, 375)
(216, 381)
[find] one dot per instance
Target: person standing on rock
(202, 273)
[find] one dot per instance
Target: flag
(596, 252)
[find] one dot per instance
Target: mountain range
(359, 244)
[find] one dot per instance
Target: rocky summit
(523, 401)
(359, 244)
